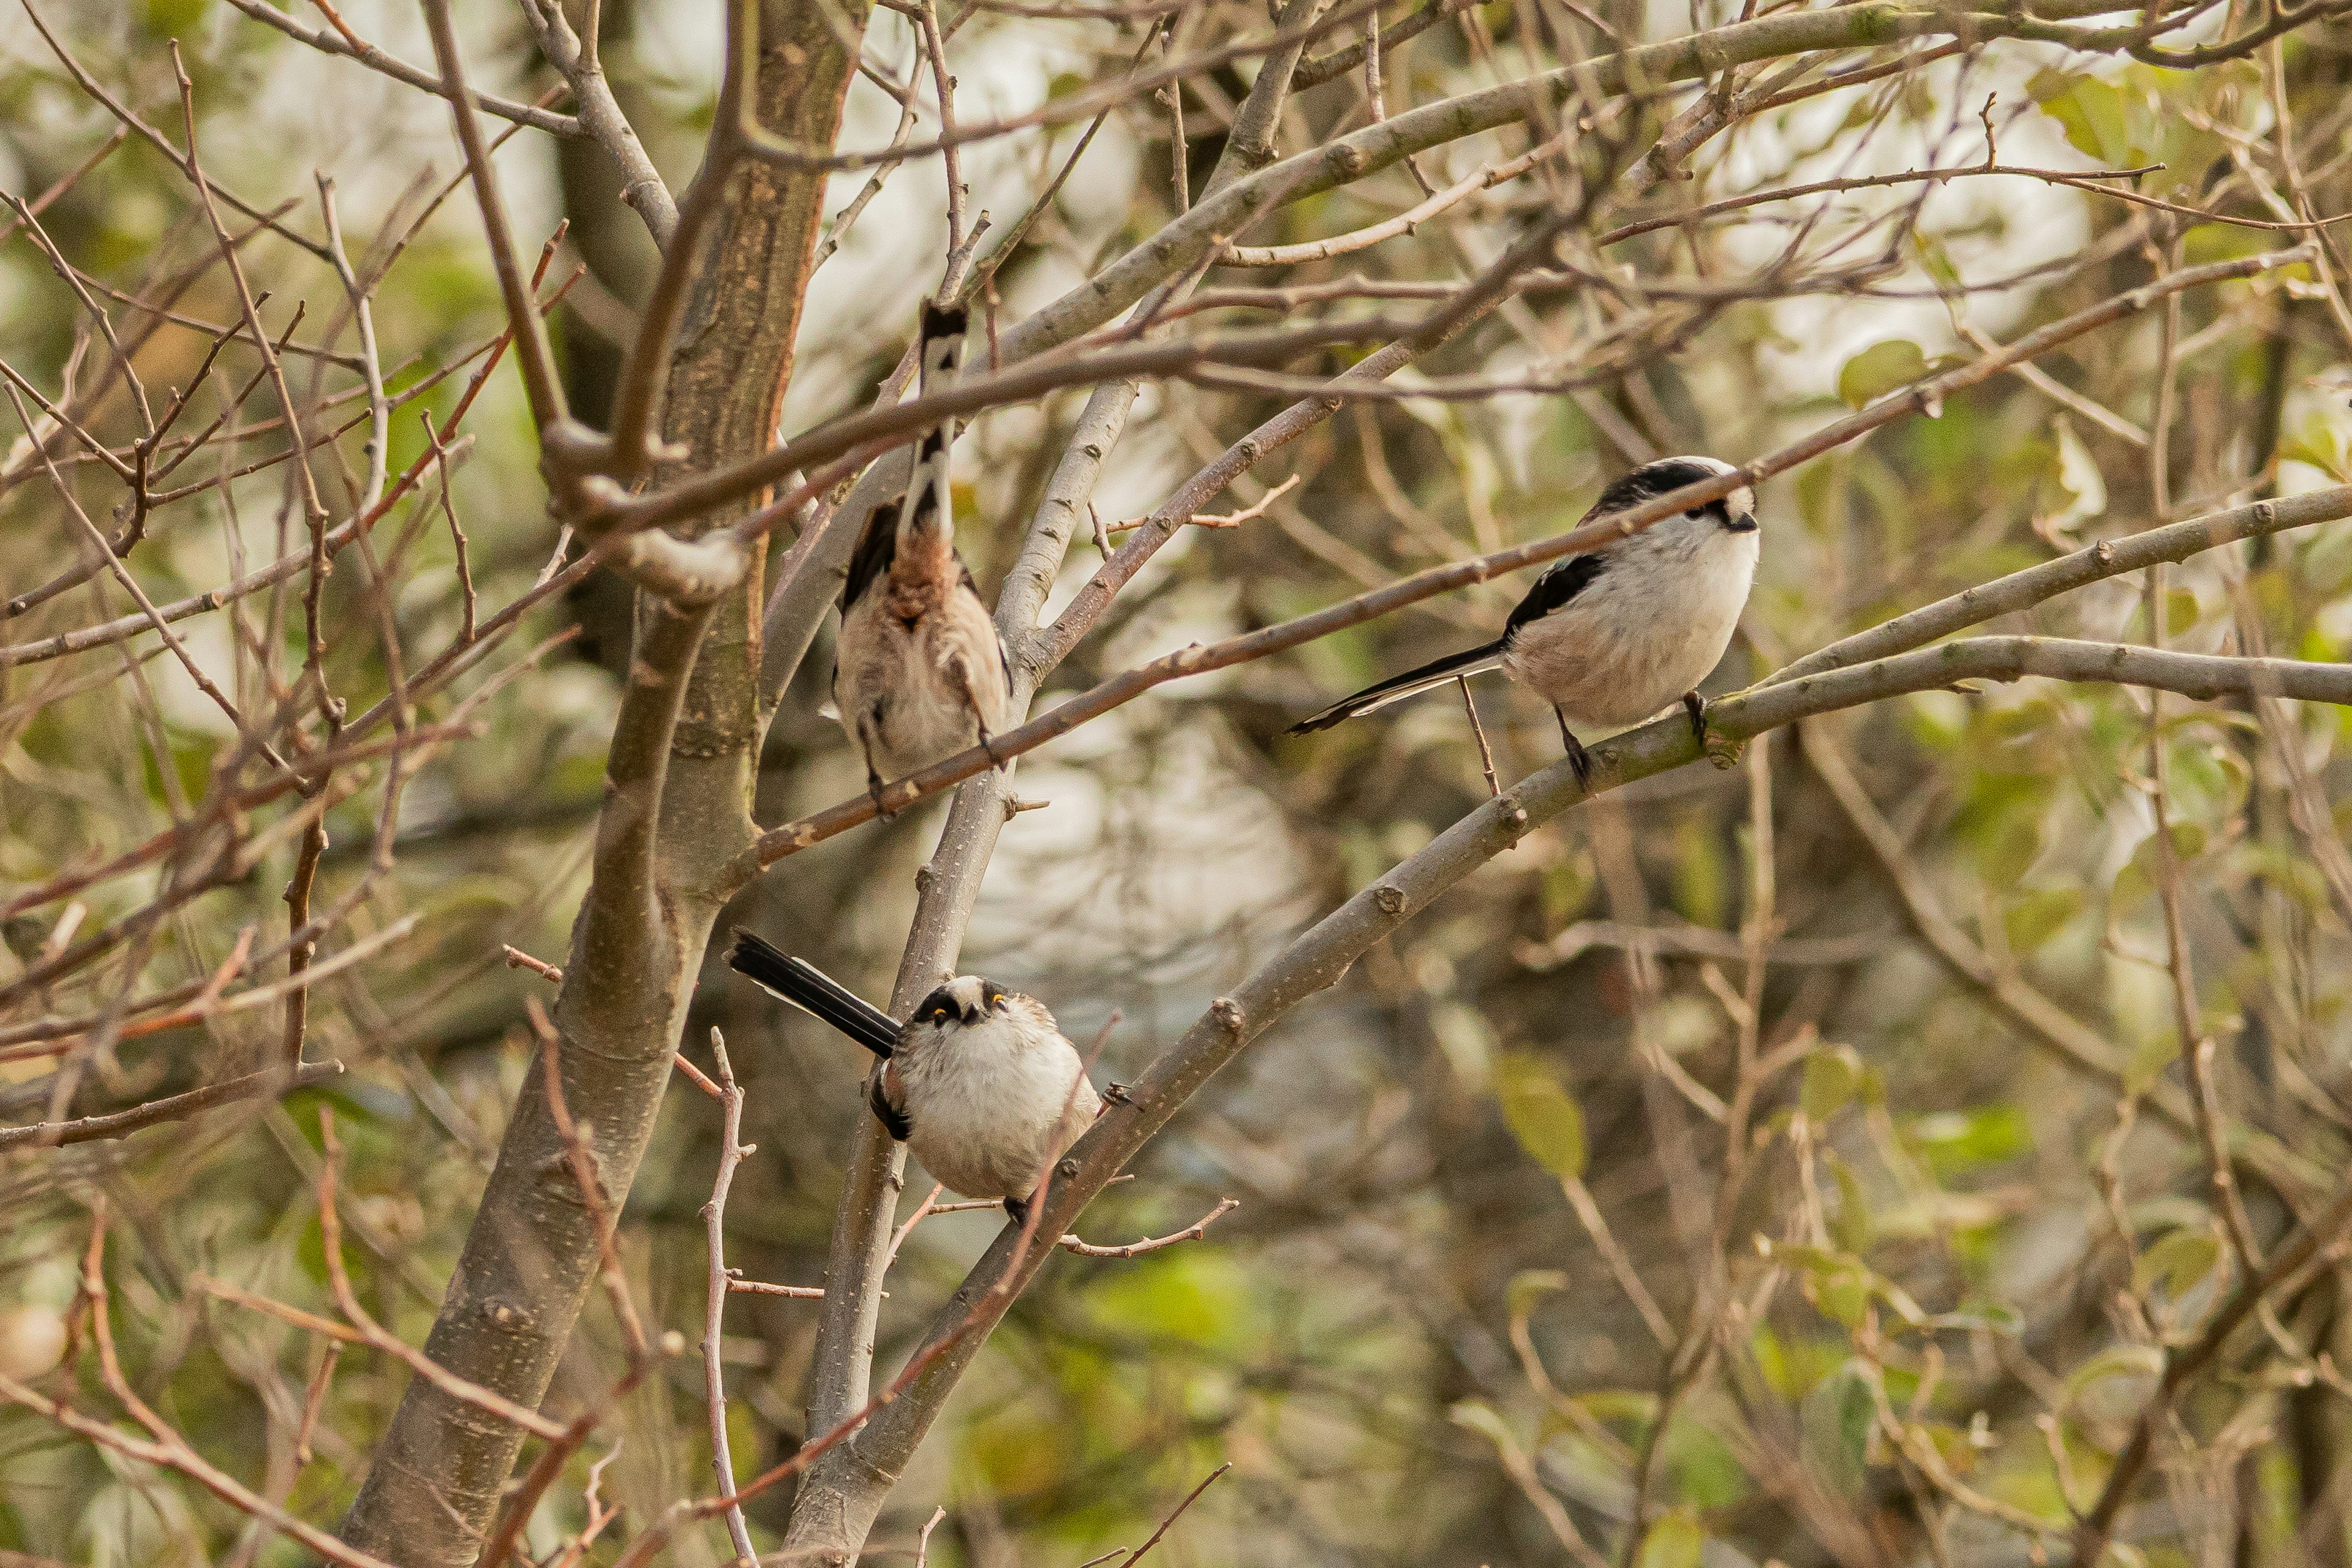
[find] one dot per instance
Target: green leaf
(1478, 1416)
(1468, 1040)
(2039, 914)
(1674, 1541)
(1634, 1406)
(173, 18)
(1850, 1227)
(310, 1252)
(1879, 370)
(2137, 879)
(2096, 115)
(2113, 1384)
(1702, 1470)
(2180, 612)
(1956, 1141)
(2077, 473)
(1701, 881)
(2180, 1262)
(2000, 820)
(1831, 1076)
(1543, 1116)
(1519, 1295)
(1833, 1428)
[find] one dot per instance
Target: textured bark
(677, 809)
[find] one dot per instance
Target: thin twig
(717, 1285)
(1189, 1233)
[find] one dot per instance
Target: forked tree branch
(1318, 958)
(680, 774)
(841, 1379)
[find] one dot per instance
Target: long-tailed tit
(979, 1083)
(920, 672)
(1609, 637)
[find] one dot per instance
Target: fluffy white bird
(1609, 637)
(919, 672)
(980, 1084)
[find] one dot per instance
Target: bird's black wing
(894, 1121)
(876, 548)
(1561, 582)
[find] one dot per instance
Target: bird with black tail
(919, 673)
(980, 1084)
(1611, 637)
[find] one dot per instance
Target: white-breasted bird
(1611, 637)
(979, 1083)
(920, 672)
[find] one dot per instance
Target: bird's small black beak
(1744, 523)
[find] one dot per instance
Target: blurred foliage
(1953, 1252)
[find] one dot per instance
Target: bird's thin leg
(866, 737)
(960, 673)
(1577, 757)
(1696, 705)
(1485, 756)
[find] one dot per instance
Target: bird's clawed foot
(1577, 757)
(874, 793)
(1116, 1094)
(1696, 705)
(1019, 1209)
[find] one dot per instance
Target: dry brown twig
(1250, 513)
(297, 740)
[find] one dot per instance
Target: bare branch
(173, 1108)
(350, 45)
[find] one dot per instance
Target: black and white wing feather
(1561, 582)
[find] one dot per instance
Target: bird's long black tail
(924, 514)
(1397, 688)
(813, 991)
(938, 349)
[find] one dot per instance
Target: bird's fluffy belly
(1651, 626)
(986, 1106)
(904, 687)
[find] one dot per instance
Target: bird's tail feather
(928, 507)
(1396, 689)
(809, 988)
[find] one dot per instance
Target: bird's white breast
(1651, 626)
(990, 1104)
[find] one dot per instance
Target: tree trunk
(679, 787)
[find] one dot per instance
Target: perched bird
(979, 1083)
(918, 670)
(1609, 637)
